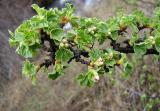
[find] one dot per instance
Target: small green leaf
(128, 68)
(54, 75)
(134, 38)
(27, 51)
(58, 71)
(100, 37)
(38, 22)
(157, 12)
(88, 79)
(95, 54)
(19, 36)
(40, 11)
(70, 35)
(140, 48)
(29, 70)
(83, 39)
(57, 34)
(63, 54)
(114, 35)
(134, 28)
(157, 43)
(110, 62)
(12, 42)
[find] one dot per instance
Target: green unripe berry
(64, 41)
(94, 28)
(151, 38)
(99, 62)
(110, 55)
(61, 44)
(119, 62)
(92, 32)
(109, 33)
(66, 45)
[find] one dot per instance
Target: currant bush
(73, 38)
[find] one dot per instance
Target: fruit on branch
(64, 43)
(61, 44)
(119, 62)
(76, 43)
(152, 39)
(99, 62)
(92, 29)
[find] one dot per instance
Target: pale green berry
(66, 44)
(89, 29)
(109, 33)
(94, 28)
(61, 44)
(99, 62)
(92, 32)
(110, 55)
(64, 41)
(151, 37)
(153, 42)
(100, 59)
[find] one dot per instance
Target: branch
(46, 63)
(52, 49)
(129, 49)
(77, 56)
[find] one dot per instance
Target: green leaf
(114, 35)
(71, 34)
(112, 25)
(134, 28)
(29, 70)
(110, 62)
(58, 71)
(102, 27)
(157, 43)
(87, 79)
(51, 16)
(57, 34)
(95, 54)
(63, 54)
(38, 22)
(40, 11)
(69, 10)
(24, 51)
(148, 43)
(19, 36)
(140, 48)
(128, 68)
(28, 51)
(54, 75)
(157, 12)
(134, 38)
(83, 39)
(12, 41)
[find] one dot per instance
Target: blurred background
(64, 94)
